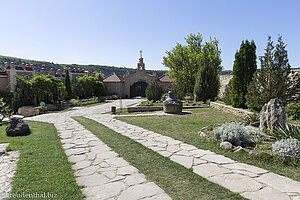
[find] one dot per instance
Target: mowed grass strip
(43, 167)
(185, 128)
(177, 181)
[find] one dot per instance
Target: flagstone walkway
(94, 160)
(250, 181)
(98, 168)
(8, 165)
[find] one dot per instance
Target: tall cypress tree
(243, 69)
(274, 79)
(67, 83)
(207, 78)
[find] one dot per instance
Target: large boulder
(28, 111)
(272, 115)
(17, 127)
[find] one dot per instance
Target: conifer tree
(243, 69)
(67, 83)
(274, 79)
(207, 79)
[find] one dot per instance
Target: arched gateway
(135, 84)
(138, 88)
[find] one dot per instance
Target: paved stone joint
(8, 166)
(250, 181)
(98, 168)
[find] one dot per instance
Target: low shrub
(252, 118)
(293, 110)
(5, 111)
(114, 97)
(234, 133)
(154, 91)
(85, 102)
(289, 131)
(287, 147)
(43, 108)
(151, 103)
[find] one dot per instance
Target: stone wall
(230, 109)
(144, 108)
(115, 88)
(4, 84)
(28, 111)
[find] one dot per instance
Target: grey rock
(272, 115)
(226, 145)
(238, 149)
(202, 134)
(17, 127)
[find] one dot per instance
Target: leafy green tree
(207, 80)
(58, 91)
(274, 79)
(88, 86)
(99, 76)
(67, 83)
(184, 63)
(154, 91)
(243, 69)
(41, 87)
(5, 111)
(47, 88)
(23, 94)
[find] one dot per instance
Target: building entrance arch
(138, 88)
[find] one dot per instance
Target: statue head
(171, 96)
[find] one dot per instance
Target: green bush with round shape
(154, 91)
(293, 110)
(234, 133)
(287, 147)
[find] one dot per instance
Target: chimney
(51, 72)
(154, 73)
(58, 72)
(42, 71)
(12, 78)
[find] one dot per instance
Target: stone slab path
(98, 168)
(249, 181)
(8, 166)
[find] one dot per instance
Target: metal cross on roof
(141, 53)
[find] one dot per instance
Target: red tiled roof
(19, 68)
(112, 78)
(28, 68)
(3, 73)
(165, 78)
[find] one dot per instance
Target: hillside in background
(106, 70)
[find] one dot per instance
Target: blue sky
(112, 32)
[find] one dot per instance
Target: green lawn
(43, 165)
(185, 128)
(95, 104)
(177, 181)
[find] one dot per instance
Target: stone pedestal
(171, 104)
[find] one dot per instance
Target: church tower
(141, 64)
